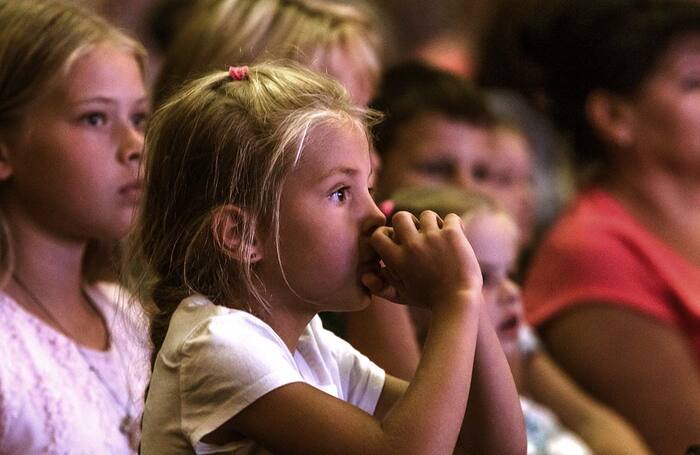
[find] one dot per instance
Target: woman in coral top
(615, 287)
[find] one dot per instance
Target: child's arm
(434, 266)
(604, 431)
(494, 420)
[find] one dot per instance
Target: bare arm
(434, 266)
(638, 366)
(603, 430)
(384, 333)
(418, 418)
(494, 421)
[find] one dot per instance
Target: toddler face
(493, 237)
(327, 215)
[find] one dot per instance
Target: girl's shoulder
(199, 324)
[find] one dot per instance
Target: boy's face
(327, 216)
(493, 236)
(432, 149)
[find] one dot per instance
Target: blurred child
(510, 179)
(72, 109)
(338, 38)
(437, 130)
(256, 216)
(546, 393)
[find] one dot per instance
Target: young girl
(547, 395)
(72, 107)
(257, 216)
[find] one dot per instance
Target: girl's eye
(340, 195)
(94, 119)
(139, 120)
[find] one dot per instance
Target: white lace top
(51, 402)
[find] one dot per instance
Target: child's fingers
(382, 241)
(453, 221)
(379, 287)
(405, 226)
(429, 221)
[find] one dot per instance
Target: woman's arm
(603, 430)
(638, 366)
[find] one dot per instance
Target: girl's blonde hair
(223, 143)
(222, 32)
(39, 42)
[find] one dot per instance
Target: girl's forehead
(335, 144)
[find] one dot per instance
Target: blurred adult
(615, 287)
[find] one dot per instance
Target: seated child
(257, 216)
(546, 393)
(72, 112)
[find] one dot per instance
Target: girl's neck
(666, 205)
(288, 323)
(49, 265)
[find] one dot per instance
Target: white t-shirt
(215, 361)
(51, 402)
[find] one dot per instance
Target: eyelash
(138, 120)
(87, 118)
(343, 190)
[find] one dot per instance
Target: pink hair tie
(238, 73)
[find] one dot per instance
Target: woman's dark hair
(611, 45)
(412, 89)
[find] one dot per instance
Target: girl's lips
(131, 191)
(509, 327)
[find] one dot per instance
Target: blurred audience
(614, 289)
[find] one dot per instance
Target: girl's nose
(374, 218)
(130, 145)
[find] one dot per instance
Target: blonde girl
(72, 107)
(338, 38)
(550, 400)
(256, 216)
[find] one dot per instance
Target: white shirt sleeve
(227, 363)
(361, 380)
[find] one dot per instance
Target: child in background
(437, 130)
(72, 111)
(545, 391)
(268, 220)
(510, 179)
(340, 39)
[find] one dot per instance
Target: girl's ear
(5, 167)
(228, 223)
(612, 117)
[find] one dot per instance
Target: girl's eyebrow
(344, 170)
(106, 100)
